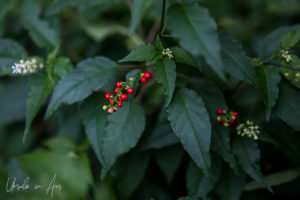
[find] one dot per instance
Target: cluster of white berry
(167, 52)
(248, 129)
(26, 67)
(285, 55)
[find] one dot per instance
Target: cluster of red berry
(227, 117)
(115, 100)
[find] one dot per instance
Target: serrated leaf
(112, 135)
(211, 95)
(62, 66)
(39, 89)
(139, 8)
(221, 145)
(165, 74)
(190, 122)
(161, 136)
(290, 39)
(268, 78)
(129, 172)
(291, 75)
(197, 183)
(247, 153)
(181, 56)
(141, 53)
(122, 132)
(288, 108)
(231, 186)
(168, 160)
(271, 42)
(90, 75)
(235, 60)
(197, 33)
(39, 30)
(94, 121)
(10, 53)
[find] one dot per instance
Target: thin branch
(153, 31)
(162, 21)
(129, 2)
(280, 66)
(144, 89)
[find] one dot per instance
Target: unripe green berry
(131, 79)
(104, 107)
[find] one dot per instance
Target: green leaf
(181, 56)
(94, 121)
(105, 191)
(271, 42)
(169, 159)
(68, 172)
(190, 122)
(291, 75)
(197, 183)
(288, 108)
(61, 144)
(39, 89)
(62, 66)
(12, 100)
(290, 39)
(39, 30)
(165, 74)
(236, 62)
(231, 186)
(197, 33)
(141, 53)
(275, 179)
(190, 198)
(247, 152)
(268, 78)
(10, 53)
(129, 172)
(90, 75)
(161, 136)
(123, 131)
(221, 145)
(139, 8)
(211, 95)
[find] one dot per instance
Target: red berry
(117, 90)
(219, 111)
(119, 84)
(111, 102)
(107, 96)
(235, 114)
(147, 75)
(232, 121)
(130, 91)
(143, 80)
(222, 121)
(110, 110)
(120, 99)
(120, 105)
(124, 97)
(115, 109)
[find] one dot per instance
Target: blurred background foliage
(156, 168)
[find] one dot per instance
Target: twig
(281, 66)
(129, 2)
(184, 76)
(153, 31)
(162, 21)
(144, 89)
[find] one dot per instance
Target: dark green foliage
(166, 141)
